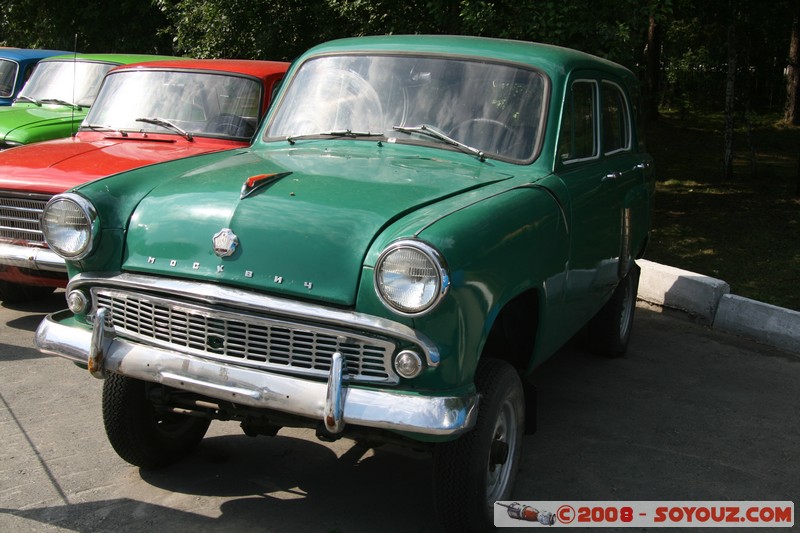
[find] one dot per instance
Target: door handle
(612, 176)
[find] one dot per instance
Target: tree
(792, 113)
(130, 26)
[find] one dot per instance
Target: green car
(56, 98)
(420, 222)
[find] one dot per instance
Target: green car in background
(420, 222)
(57, 96)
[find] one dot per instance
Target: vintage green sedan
(420, 222)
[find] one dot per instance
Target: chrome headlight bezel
(89, 225)
(440, 277)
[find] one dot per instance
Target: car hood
(305, 233)
(21, 123)
(55, 166)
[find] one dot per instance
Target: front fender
(496, 248)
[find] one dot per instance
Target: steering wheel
(484, 132)
(232, 125)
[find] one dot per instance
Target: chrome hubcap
(501, 453)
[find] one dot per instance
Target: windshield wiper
(59, 102)
(430, 131)
(334, 133)
(166, 124)
(101, 127)
(25, 98)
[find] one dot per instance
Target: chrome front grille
(19, 218)
(243, 338)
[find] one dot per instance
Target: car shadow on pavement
(298, 483)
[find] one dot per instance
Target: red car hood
(55, 166)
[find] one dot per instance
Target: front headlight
(410, 277)
(69, 225)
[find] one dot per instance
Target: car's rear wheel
(140, 433)
(479, 468)
(610, 330)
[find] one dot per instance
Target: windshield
(74, 82)
(8, 75)
(196, 102)
(494, 108)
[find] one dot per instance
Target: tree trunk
(653, 62)
(730, 101)
(792, 113)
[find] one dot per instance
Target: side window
(616, 119)
(578, 124)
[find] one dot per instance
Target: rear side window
(578, 139)
(616, 119)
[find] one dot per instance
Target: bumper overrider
(335, 401)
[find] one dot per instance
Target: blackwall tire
(470, 474)
(610, 330)
(138, 433)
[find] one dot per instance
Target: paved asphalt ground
(689, 414)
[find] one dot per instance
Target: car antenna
(74, 76)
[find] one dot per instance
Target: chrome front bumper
(334, 402)
(31, 257)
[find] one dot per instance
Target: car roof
(554, 60)
(21, 54)
(256, 68)
(118, 59)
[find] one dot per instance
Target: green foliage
(745, 231)
(131, 26)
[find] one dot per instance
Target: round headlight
(410, 277)
(68, 224)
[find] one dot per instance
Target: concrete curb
(708, 301)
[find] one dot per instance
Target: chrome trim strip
(431, 415)
(31, 257)
(215, 294)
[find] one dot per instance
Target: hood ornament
(225, 242)
(254, 183)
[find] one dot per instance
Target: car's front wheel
(479, 468)
(140, 433)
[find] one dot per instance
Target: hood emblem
(254, 183)
(225, 242)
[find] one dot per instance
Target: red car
(145, 113)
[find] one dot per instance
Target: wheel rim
(504, 435)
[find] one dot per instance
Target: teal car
(57, 96)
(419, 224)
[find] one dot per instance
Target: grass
(745, 231)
